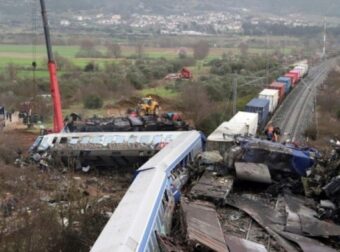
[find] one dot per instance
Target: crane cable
(34, 41)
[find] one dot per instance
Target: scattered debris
(253, 172)
(212, 187)
(167, 244)
(236, 244)
(202, 226)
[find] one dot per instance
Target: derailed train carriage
(148, 205)
(102, 149)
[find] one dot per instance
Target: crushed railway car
(147, 208)
(105, 149)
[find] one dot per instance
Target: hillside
(325, 7)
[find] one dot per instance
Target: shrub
(93, 102)
(311, 132)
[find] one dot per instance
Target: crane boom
(52, 68)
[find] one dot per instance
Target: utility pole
(324, 38)
(234, 94)
(267, 66)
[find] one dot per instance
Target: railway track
(296, 112)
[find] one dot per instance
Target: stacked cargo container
(287, 81)
(293, 77)
(272, 95)
(261, 107)
(281, 88)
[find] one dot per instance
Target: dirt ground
(54, 209)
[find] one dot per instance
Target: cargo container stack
(272, 95)
(261, 107)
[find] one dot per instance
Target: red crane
(58, 123)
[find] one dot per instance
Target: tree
(201, 49)
(88, 50)
(140, 50)
(12, 71)
(93, 102)
(195, 103)
(182, 53)
(113, 50)
(243, 47)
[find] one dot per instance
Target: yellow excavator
(148, 106)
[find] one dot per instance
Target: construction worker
(269, 131)
(276, 134)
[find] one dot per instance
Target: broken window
(63, 140)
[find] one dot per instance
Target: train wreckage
(186, 199)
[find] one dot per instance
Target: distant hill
(20, 8)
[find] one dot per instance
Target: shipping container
(287, 81)
(243, 123)
(294, 78)
(303, 69)
(272, 95)
(260, 106)
(281, 87)
(297, 73)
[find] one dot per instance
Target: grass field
(22, 55)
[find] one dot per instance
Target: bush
(93, 102)
(311, 132)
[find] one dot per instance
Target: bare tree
(201, 49)
(243, 47)
(113, 50)
(12, 71)
(140, 49)
(88, 49)
(195, 103)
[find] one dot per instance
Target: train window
(132, 139)
(145, 140)
(168, 139)
(166, 197)
(96, 140)
(154, 242)
(157, 139)
(84, 140)
(74, 140)
(43, 144)
(120, 139)
(63, 140)
(109, 139)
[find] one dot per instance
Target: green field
(22, 56)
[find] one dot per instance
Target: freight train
(268, 100)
